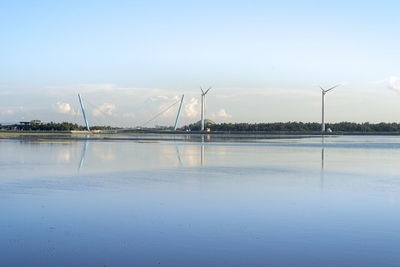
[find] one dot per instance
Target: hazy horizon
(264, 60)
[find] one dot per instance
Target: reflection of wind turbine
(203, 159)
(322, 163)
(202, 152)
(323, 105)
(83, 154)
(203, 106)
(322, 168)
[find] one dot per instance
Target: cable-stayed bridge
(143, 125)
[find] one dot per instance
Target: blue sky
(264, 59)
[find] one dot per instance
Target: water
(232, 202)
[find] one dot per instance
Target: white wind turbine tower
(323, 105)
(203, 106)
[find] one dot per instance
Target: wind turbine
(203, 106)
(323, 105)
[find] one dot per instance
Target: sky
(265, 60)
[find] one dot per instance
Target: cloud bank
(105, 109)
(191, 108)
(221, 114)
(65, 108)
(394, 84)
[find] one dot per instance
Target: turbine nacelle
(202, 91)
(327, 90)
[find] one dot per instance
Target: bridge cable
(160, 113)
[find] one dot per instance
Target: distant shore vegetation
(51, 127)
(283, 127)
(297, 127)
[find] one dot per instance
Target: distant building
(31, 123)
(207, 122)
(36, 122)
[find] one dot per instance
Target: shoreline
(157, 136)
(171, 132)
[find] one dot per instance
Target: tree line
(52, 127)
(365, 127)
(350, 127)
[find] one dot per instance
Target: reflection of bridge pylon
(83, 154)
(178, 154)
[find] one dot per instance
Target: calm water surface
(261, 202)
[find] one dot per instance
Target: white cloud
(158, 98)
(65, 108)
(221, 114)
(98, 87)
(105, 109)
(394, 84)
(191, 109)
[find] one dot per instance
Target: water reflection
(178, 154)
(64, 153)
(84, 149)
(109, 156)
(202, 155)
(322, 167)
(257, 204)
(322, 162)
(202, 149)
(106, 152)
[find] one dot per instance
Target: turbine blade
(322, 89)
(207, 90)
(202, 90)
(332, 88)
